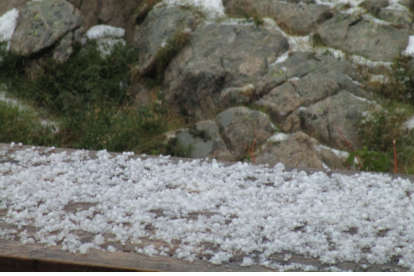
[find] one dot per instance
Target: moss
(317, 41)
(17, 125)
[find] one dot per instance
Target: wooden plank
(14, 256)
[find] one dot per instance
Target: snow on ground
(410, 123)
(8, 22)
(106, 36)
(213, 8)
(23, 107)
(256, 208)
(104, 31)
(410, 48)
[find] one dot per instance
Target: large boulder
(301, 64)
(161, 25)
(203, 140)
(242, 129)
(312, 78)
(218, 57)
(296, 150)
(281, 101)
(294, 17)
(355, 35)
(331, 121)
(42, 24)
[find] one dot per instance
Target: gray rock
(374, 6)
(64, 50)
(358, 36)
(281, 101)
(329, 158)
(400, 18)
(322, 120)
(296, 151)
(294, 17)
(299, 19)
(238, 95)
(41, 24)
(219, 57)
(315, 87)
(300, 64)
(297, 65)
(204, 141)
(240, 127)
(160, 25)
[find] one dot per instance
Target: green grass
(383, 125)
(90, 97)
(377, 132)
(17, 125)
(317, 41)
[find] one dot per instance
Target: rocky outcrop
(296, 151)
(355, 35)
(242, 129)
(161, 26)
(205, 66)
(327, 119)
(203, 140)
(294, 17)
(41, 24)
(219, 57)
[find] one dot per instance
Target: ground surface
(99, 210)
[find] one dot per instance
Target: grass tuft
(173, 46)
(89, 96)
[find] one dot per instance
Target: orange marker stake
(395, 157)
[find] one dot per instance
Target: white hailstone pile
(254, 208)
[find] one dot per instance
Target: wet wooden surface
(15, 256)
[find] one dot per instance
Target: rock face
(296, 151)
(314, 93)
(354, 35)
(294, 17)
(326, 120)
(219, 57)
(160, 26)
(240, 127)
(204, 141)
(41, 24)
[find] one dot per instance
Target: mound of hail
(253, 210)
